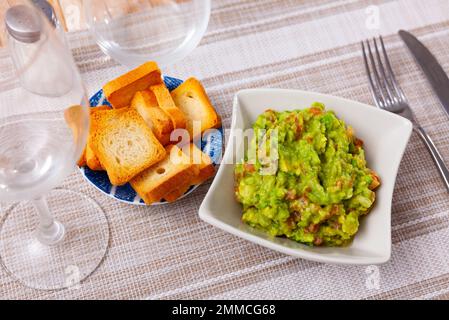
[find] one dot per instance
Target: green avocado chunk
(305, 177)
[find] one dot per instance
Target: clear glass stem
(49, 231)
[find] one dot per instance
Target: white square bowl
(385, 137)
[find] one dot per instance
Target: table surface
(167, 252)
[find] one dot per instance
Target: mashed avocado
(315, 187)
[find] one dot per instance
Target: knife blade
(433, 71)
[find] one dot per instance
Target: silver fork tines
(388, 95)
(385, 90)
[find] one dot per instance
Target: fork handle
(435, 154)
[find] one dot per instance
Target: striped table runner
(167, 252)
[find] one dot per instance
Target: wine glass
(49, 238)
(136, 31)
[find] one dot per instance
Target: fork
(388, 95)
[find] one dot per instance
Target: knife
(432, 69)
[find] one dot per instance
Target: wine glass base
(62, 265)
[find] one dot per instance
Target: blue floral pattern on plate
(211, 144)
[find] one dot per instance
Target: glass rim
(167, 58)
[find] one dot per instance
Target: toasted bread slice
(92, 160)
(178, 193)
(124, 144)
(206, 170)
(74, 117)
(120, 91)
(98, 108)
(160, 123)
(155, 183)
(167, 104)
(203, 161)
(82, 160)
(192, 99)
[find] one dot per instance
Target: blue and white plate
(211, 144)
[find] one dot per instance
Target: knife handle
(435, 154)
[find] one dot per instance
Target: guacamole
(305, 177)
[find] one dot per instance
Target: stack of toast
(134, 141)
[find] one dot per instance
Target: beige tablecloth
(167, 252)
